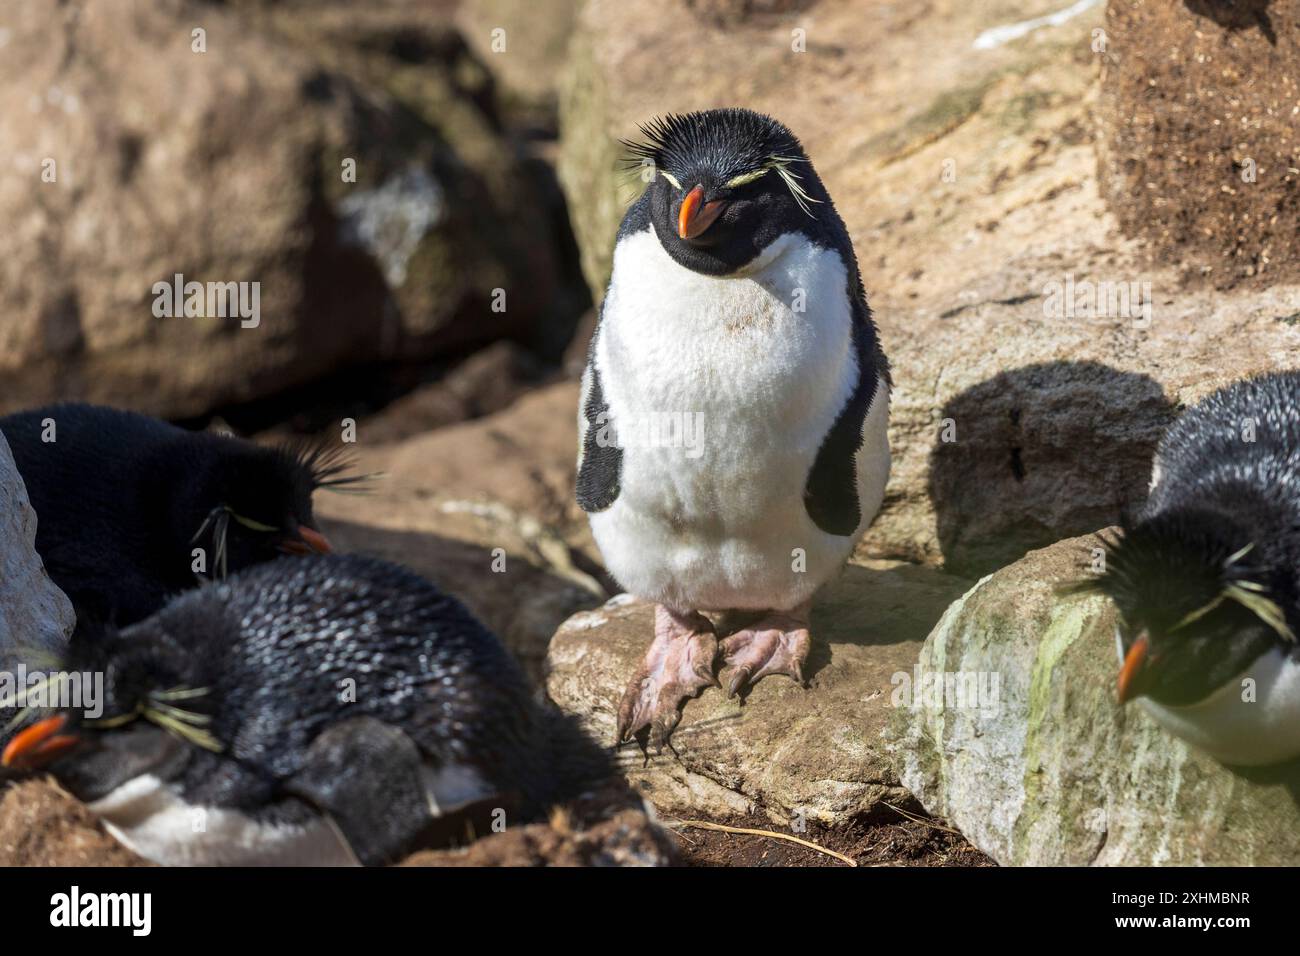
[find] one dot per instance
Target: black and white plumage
(317, 710)
(123, 499)
(1207, 578)
(736, 307)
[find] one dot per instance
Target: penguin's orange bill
(696, 215)
(1133, 661)
(38, 744)
(308, 541)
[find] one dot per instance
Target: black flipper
(831, 494)
(602, 460)
(366, 775)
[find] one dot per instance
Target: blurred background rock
(228, 165)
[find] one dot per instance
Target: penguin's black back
(1237, 452)
(1210, 450)
(288, 648)
(93, 490)
(118, 497)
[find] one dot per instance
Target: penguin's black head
(1198, 602)
(253, 503)
(727, 183)
(147, 677)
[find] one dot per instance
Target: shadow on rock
(1284, 775)
(1040, 453)
(1236, 15)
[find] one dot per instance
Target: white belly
(148, 817)
(717, 520)
(151, 819)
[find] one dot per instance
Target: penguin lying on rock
(1207, 579)
(122, 500)
(318, 710)
(733, 444)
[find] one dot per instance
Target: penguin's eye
(672, 179)
(744, 179)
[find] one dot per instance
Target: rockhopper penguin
(122, 499)
(319, 710)
(733, 443)
(1207, 578)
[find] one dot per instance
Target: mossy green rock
(1057, 772)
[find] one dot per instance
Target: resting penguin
(1207, 578)
(733, 445)
(122, 499)
(311, 711)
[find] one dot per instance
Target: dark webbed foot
(777, 644)
(678, 665)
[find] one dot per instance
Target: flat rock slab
(785, 751)
(1057, 773)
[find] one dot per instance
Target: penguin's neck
(1251, 720)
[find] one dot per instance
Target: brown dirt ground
(904, 837)
(1192, 92)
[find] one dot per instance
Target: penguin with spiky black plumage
(734, 410)
(319, 710)
(123, 499)
(1206, 579)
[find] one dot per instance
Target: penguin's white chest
(721, 391)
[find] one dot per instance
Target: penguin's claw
(678, 665)
(778, 644)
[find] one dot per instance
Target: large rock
(968, 180)
(1201, 134)
(227, 166)
(788, 752)
(1053, 771)
(35, 616)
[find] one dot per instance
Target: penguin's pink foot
(778, 644)
(678, 665)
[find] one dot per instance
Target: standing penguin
(1207, 579)
(122, 500)
(732, 428)
(310, 711)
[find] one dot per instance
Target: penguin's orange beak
(38, 744)
(1133, 661)
(308, 541)
(696, 215)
